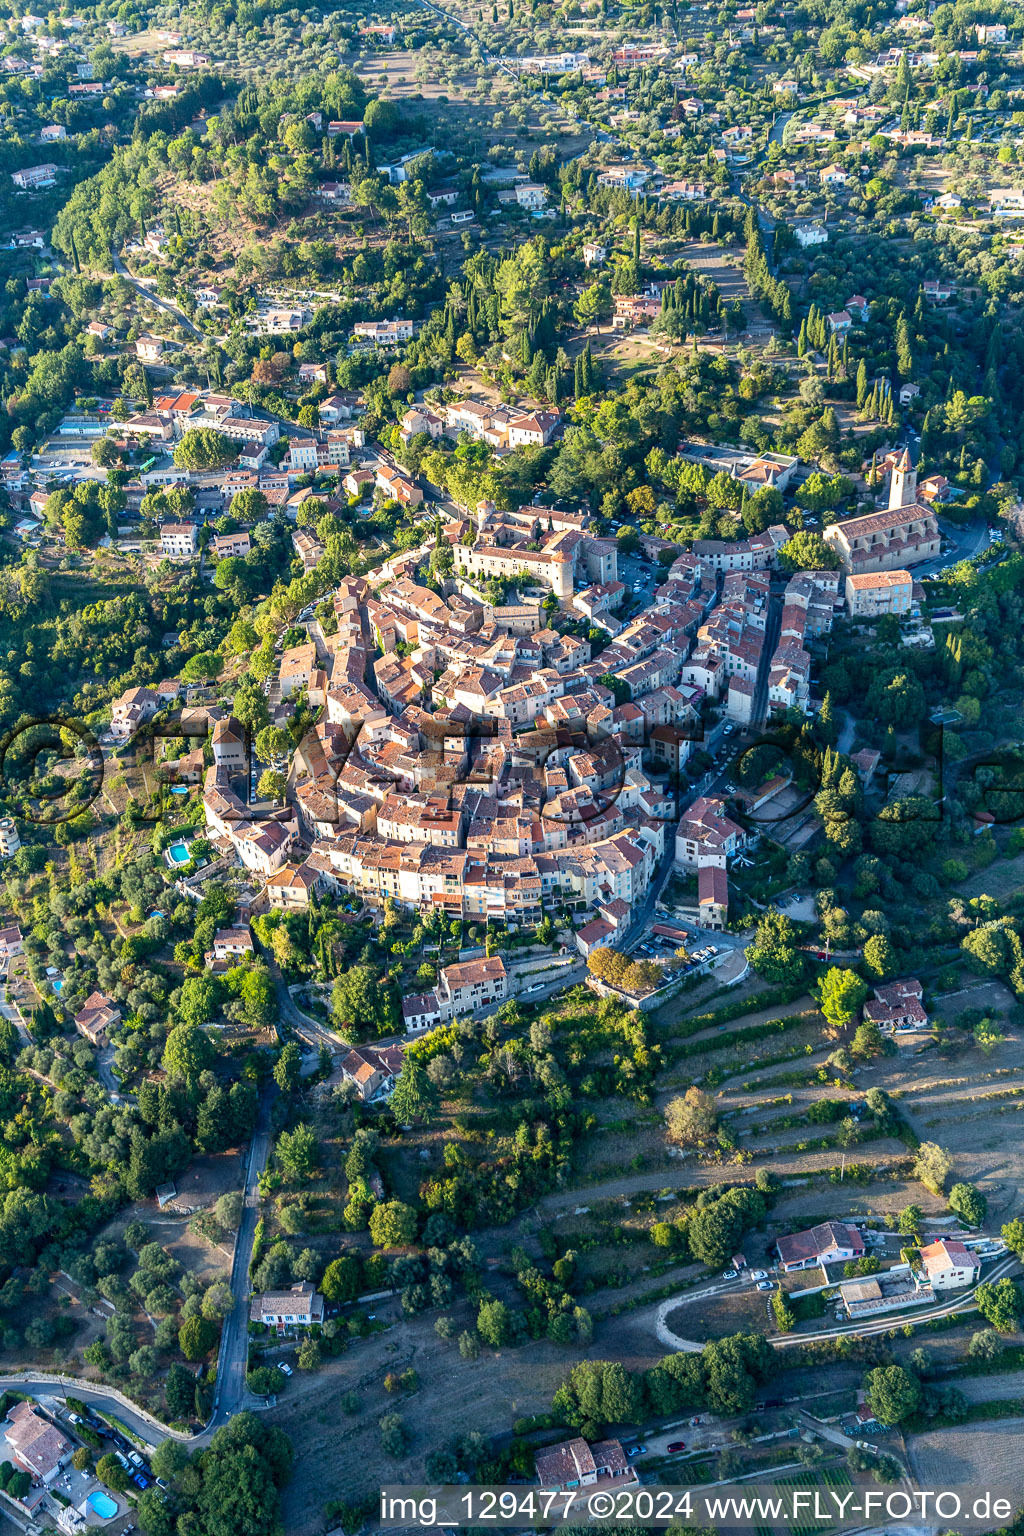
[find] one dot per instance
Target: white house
(178, 541)
(298, 1307)
(947, 1265)
(828, 1243)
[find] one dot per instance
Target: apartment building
(871, 593)
(707, 835)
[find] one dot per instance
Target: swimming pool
(102, 1504)
(178, 853)
(179, 789)
(57, 983)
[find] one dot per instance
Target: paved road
(147, 1428)
(778, 128)
(309, 1030)
(165, 304)
(234, 1342)
(964, 543)
(234, 1339)
(107, 1076)
(11, 1012)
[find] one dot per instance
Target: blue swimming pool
(179, 789)
(178, 853)
(57, 984)
(102, 1504)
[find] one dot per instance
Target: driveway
(140, 288)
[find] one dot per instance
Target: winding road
(869, 1328)
(234, 1339)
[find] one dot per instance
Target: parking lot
(131, 1460)
(658, 946)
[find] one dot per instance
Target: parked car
(730, 1274)
(285, 1370)
(636, 1450)
(759, 1274)
(766, 1285)
(674, 1446)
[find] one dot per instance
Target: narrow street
(234, 1339)
(773, 625)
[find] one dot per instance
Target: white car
(730, 1274)
(759, 1274)
(766, 1285)
(285, 1370)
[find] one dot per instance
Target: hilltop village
(512, 597)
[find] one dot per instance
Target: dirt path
(682, 1173)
